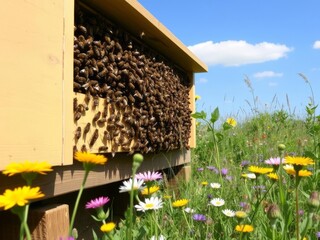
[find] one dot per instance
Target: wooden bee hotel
(101, 76)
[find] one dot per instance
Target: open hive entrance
(128, 97)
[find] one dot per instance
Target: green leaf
(215, 115)
(199, 115)
(95, 236)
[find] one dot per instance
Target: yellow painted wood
(32, 66)
(192, 94)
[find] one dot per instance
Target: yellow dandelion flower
(240, 214)
(204, 183)
(150, 190)
(197, 97)
(27, 167)
(107, 227)
(231, 121)
(260, 170)
(273, 176)
(91, 158)
(301, 173)
(180, 203)
(244, 228)
(19, 196)
(303, 161)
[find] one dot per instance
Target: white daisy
(217, 202)
(228, 213)
(215, 185)
(127, 185)
(152, 203)
(249, 175)
(189, 210)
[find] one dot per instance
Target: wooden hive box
(138, 76)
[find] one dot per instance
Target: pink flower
(274, 161)
(149, 176)
(97, 203)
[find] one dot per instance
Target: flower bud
(273, 211)
(137, 160)
(313, 200)
(281, 147)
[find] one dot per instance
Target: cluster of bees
(128, 98)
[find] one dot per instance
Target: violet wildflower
(244, 163)
(148, 176)
(200, 169)
(318, 235)
(199, 217)
(224, 171)
(212, 168)
(98, 202)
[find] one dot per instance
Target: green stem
(297, 205)
(185, 217)
(25, 223)
(77, 201)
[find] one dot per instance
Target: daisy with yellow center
(231, 121)
(240, 214)
(150, 190)
(260, 170)
(180, 203)
(244, 228)
(19, 196)
(108, 227)
(27, 167)
(152, 203)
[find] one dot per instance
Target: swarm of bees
(138, 100)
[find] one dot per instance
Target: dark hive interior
(138, 100)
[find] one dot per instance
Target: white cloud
(236, 53)
(202, 80)
(316, 45)
(267, 74)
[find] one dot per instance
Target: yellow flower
(241, 214)
(273, 176)
(231, 121)
(180, 203)
(19, 196)
(204, 183)
(150, 190)
(301, 173)
(298, 160)
(27, 167)
(244, 228)
(86, 157)
(260, 170)
(197, 97)
(108, 227)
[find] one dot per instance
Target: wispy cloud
(202, 80)
(267, 74)
(316, 45)
(236, 53)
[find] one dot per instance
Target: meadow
(254, 179)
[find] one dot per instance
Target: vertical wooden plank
(192, 140)
(67, 95)
(31, 46)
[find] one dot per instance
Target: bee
(75, 104)
(84, 148)
(77, 116)
(102, 148)
(96, 116)
(101, 121)
(75, 149)
(86, 129)
(95, 101)
(77, 134)
(94, 138)
(83, 29)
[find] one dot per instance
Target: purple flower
(148, 176)
(224, 171)
(229, 178)
(244, 163)
(212, 168)
(274, 161)
(97, 203)
(209, 196)
(318, 235)
(200, 169)
(300, 212)
(199, 217)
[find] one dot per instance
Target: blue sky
(270, 42)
